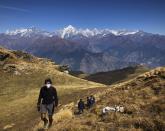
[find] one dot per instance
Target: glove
(38, 107)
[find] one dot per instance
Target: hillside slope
(22, 75)
(143, 99)
(120, 75)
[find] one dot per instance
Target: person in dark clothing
(92, 100)
(47, 101)
(88, 102)
(81, 106)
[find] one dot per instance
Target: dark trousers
(81, 110)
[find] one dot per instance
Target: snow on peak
(70, 28)
(27, 32)
(123, 32)
(70, 31)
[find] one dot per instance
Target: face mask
(48, 85)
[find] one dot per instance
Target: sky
(146, 15)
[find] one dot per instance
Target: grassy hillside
(22, 75)
(78, 74)
(112, 77)
(143, 99)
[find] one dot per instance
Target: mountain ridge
(96, 53)
(66, 31)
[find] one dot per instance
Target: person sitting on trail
(116, 108)
(47, 101)
(88, 102)
(92, 100)
(81, 106)
(107, 109)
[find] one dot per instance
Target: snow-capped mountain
(90, 50)
(28, 32)
(71, 31)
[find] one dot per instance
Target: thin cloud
(14, 8)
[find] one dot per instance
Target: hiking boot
(50, 122)
(46, 124)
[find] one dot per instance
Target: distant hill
(112, 77)
(19, 63)
(78, 74)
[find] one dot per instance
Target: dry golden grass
(63, 114)
(143, 99)
(116, 76)
(19, 93)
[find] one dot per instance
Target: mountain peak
(70, 31)
(27, 32)
(67, 31)
(70, 27)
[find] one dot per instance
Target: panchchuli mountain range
(90, 50)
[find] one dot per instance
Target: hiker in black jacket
(88, 103)
(81, 106)
(47, 101)
(92, 99)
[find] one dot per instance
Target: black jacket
(48, 95)
(81, 105)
